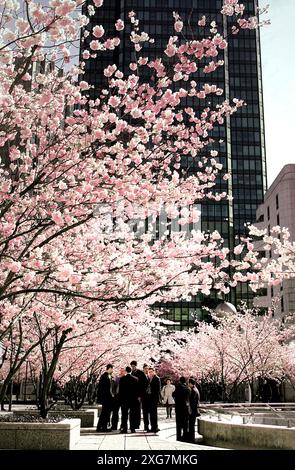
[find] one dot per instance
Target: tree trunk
(4, 388)
(43, 401)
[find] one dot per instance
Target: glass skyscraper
(242, 151)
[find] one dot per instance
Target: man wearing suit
(182, 408)
(105, 396)
(129, 396)
(142, 384)
(117, 404)
(144, 398)
(153, 392)
(194, 401)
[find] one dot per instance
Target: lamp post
(225, 310)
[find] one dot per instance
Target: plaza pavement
(165, 439)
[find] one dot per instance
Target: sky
(278, 77)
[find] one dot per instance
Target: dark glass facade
(243, 149)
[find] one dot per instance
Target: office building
(242, 151)
(278, 209)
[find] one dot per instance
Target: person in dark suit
(144, 398)
(182, 406)
(128, 395)
(153, 394)
(142, 384)
(117, 404)
(105, 396)
(194, 401)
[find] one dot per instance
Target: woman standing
(167, 397)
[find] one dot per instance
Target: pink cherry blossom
(178, 25)
(57, 217)
(95, 45)
(114, 101)
(84, 85)
(238, 249)
(14, 266)
(98, 31)
(202, 21)
(171, 50)
(75, 278)
(110, 70)
(98, 3)
(86, 54)
(119, 25)
(65, 7)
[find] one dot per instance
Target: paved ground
(165, 439)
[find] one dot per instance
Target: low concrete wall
(62, 407)
(249, 436)
(287, 419)
(40, 436)
(88, 417)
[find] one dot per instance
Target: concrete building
(279, 209)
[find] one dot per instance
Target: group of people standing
(134, 390)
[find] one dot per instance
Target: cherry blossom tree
(63, 167)
(67, 162)
(281, 265)
(239, 350)
(80, 352)
(289, 363)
